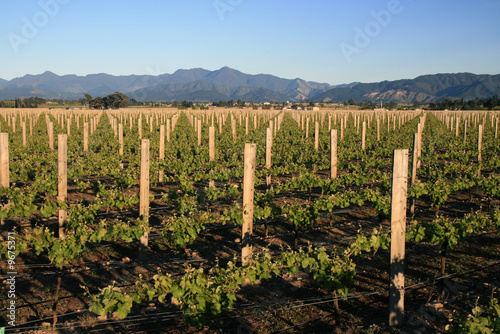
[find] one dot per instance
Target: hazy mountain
(228, 82)
(426, 88)
(198, 84)
(198, 91)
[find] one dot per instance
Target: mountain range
(226, 83)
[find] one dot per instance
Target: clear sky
(332, 41)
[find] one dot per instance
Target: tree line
(120, 100)
(490, 103)
(112, 101)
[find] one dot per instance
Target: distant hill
(225, 83)
(199, 85)
(426, 88)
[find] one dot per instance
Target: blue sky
(333, 41)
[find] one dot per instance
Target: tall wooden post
(199, 132)
(307, 127)
(161, 153)
(62, 184)
(248, 197)
(211, 149)
(333, 154)
(316, 136)
(269, 144)
(120, 139)
(4, 160)
(144, 194)
(465, 132)
(139, 127)
(419, 151)
(480, 142)
(378, 129)
(342, 125)
(211, 143)
(398, 230)
(363, 137)
(23, 125)
(496, 128)
(233, 128)
(168, 130)
(51, 135)
(414, 170)
(85, 136)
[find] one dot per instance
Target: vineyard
(151, 221)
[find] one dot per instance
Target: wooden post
(398, 230)
(378, 129)
(51, 135)
(269, 144)
(211, 149)
(85, 136)
(465, 132)
(139, 127)
(233, 128)
(414, 170)
(120, 138)
(4, 160)
(211, 143)
(480, 142)
(419, 151)
(161, 154)
(168, 130)
(457, 126)
(62, 184)
(144, 194)
(248, 196)
(342, 128)
(199, 132)
(333, 154)
(316, 136)
(496, 128)
(23, 125)
(307, 127)
(363, 137)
